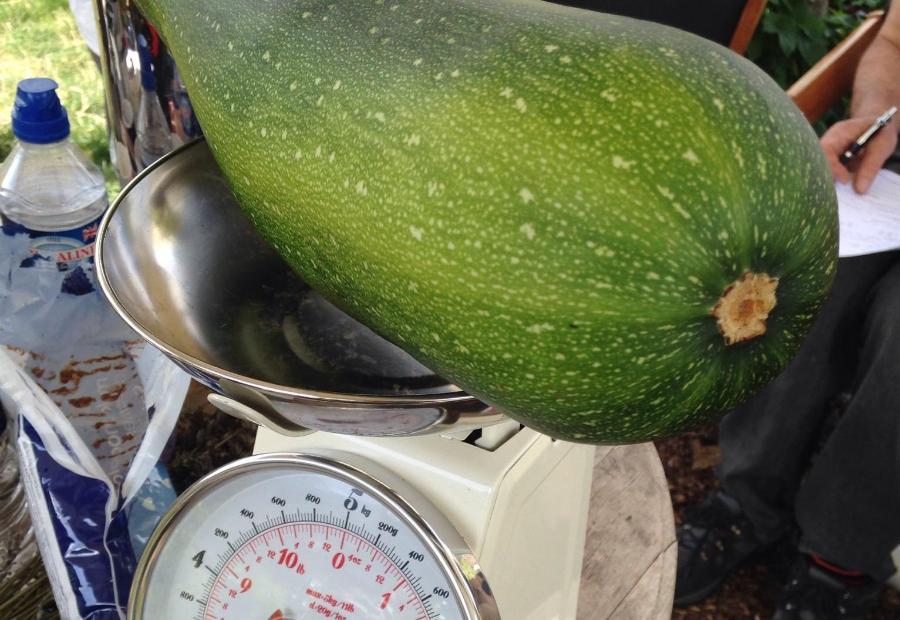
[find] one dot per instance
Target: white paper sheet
(870, 222)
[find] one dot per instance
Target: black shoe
(714, 540)
(816, 593)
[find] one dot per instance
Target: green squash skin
(540, 203)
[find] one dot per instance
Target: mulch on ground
(689, 460)
(205, 439)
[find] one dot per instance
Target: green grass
(39, 38)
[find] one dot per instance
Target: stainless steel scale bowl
(183, 266)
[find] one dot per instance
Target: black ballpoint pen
(867, 135)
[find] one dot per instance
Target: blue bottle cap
(37, 114)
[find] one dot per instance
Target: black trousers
(844, 494)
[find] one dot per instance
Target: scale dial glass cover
(290, 537)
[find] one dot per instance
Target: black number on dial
(198, 559)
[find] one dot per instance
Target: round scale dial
(290, 537)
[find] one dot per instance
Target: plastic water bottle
(50, 193)
(153, 139)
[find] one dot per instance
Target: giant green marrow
(607, 228)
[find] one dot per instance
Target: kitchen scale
(377, 489)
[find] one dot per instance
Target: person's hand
(866, 164)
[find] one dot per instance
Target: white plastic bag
(79, 504)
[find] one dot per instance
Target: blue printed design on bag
(100, 568)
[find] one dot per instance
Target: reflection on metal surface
(250, 414)
(148, 108)
(181, 263)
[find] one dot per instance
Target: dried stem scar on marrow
(744, 306)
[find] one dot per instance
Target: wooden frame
(746, 25)
(832, 77)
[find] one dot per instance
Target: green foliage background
(791, 36)
(39, 38)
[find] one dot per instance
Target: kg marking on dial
(287, 537)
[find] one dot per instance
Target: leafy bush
(792, 36)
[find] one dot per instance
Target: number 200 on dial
(291, 537)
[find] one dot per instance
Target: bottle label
(69, 251)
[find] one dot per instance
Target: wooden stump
(630, 552)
